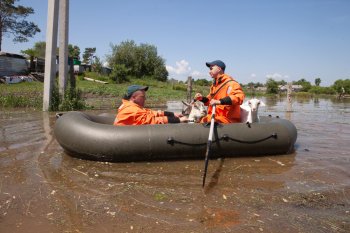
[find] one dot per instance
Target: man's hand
(184, 119)
(214, 102)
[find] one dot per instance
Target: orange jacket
(223, 87)
(130, 113)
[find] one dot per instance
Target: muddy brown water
(44, 190)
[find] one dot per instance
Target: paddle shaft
(210, 139)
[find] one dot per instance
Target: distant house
(106, 70)
(173, 81)
(262, 89)
(12, 64)
(13, 68)
(284, 88)
(37, 64)
(85, 67)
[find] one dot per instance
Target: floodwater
(44, 190)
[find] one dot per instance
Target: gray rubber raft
(94, 137)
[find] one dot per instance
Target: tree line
(127, 60)
(142, 61)
(340, 86)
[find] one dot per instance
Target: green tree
(74, 51)
(322, 90)
(250, 85)
(12, 21)
(88, 55)
(141, 60)
(119, 73)
(159, 71)
(97, 65)
(340, 84)
(282, 82)
(202, 82)
(254, 85)
(305, 84)
(40, 47)
(317, 82)
(37, 51)
(271, 86)
(125, 53)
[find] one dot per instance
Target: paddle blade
(206, 162)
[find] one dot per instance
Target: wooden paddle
(210, 139)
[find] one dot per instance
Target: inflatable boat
(94, 137)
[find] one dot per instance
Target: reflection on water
(43, 189)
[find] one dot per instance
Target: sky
(256, 39)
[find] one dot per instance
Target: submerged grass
(30, 94)
(21, 95)
(108, 96)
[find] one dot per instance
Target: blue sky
(257, 39)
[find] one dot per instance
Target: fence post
(289, 97)
(189, 89)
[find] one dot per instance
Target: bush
(202, 82)
(342, 85)
(322, 90)
(272, 86)
(179, 87)
(120, 73)
(72, 100)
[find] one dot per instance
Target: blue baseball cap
(133, 88)
(218, 63)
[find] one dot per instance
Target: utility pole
(63, 45)
(50, 54)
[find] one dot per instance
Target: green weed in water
(160, 196)
(72, 100)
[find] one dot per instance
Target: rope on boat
(225, 137)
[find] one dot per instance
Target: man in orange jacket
(225, 93)
(132, 111)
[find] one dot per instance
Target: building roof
(5, 54)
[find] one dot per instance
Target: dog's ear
(262, 104)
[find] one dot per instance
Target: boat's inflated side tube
(94, 137)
